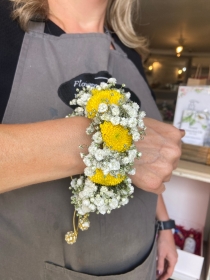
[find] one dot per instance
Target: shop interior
(178, 34)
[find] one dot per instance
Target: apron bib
(34, 219)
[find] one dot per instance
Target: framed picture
(192, 114)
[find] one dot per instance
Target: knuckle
(176, 152)
(168, 171)
(156, 184)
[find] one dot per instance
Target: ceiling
(165, 22)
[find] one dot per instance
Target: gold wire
(74, 220)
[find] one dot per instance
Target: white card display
(193, 114)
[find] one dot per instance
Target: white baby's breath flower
(132, 171)
(113, 204)
(73, 102)
(85, 209)
(88, 160)
(80, 212)
(97, 137)
(99, 201)
(85, 97)
(114, 165)
(124, 192)
(115, 110)
(128, 95)
(135, 106)
(131, 189)
(133, 113)
(99, 154)
(141, 123)
(82, 195)
(92, 207)
(102, 107)
(96, 121)
(115, 120)
(104, 189)
(79, 182)
(92, 149)
(139, 154)
(125, 160)
(106, 117)
(82, 155)
(128, 180)
(124, 201)
(124, 121)
(73, 183)
(103, 85)
(90, 129)
(132, 122)
(79, 110)
(86, 202)
(89, 171)
(132, 154)
(102, 209)
(112, 81)
(127, 107)
(142, 114)
(136, 136)
(80, 102)
(110, 193)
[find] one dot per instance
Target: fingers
(161, 151)
(182, 132)
(160, 266)
(168, 270)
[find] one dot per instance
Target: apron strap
(36, 26)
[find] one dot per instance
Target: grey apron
(34, 219)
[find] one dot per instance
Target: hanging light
(179, 49)
(150, 68)
(180, 71)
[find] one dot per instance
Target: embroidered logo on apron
(67, 90)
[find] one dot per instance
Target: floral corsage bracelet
(117, 123)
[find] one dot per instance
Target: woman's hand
(166, 253)
(161, 150)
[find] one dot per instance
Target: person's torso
(35, 219)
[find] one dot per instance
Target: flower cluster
(117, 123)
(91, 197)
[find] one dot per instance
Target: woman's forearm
(40, 152)
(161, 212)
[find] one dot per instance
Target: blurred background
(179, 36)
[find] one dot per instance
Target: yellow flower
(108, 96)
(106, 180)
(116, 137)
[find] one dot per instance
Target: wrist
(166, 225)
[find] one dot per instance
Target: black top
(11, 38)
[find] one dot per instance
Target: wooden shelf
(193, 171)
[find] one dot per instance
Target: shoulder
(131, 53)
(135, 57)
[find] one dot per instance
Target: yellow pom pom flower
(116, 137)
(106, 180)
(107, 96)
